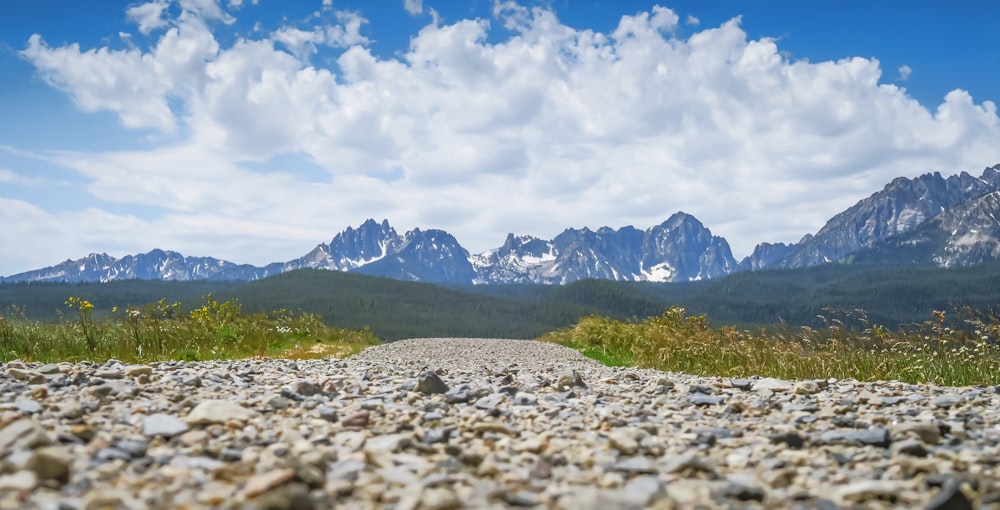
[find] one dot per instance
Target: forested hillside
(394, 309)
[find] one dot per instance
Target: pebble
(477, 423)
(166, 425)
(430, 383)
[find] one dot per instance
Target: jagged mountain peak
(956, 216)
(963, 235)
(681, 217)
(898, 208)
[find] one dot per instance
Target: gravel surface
(482, 423)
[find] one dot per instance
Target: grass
(163, 331)
(929, 352)
(960, 351)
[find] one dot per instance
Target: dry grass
(928, 352)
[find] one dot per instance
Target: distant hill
(395, 309)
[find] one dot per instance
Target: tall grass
(674, 341)
(163, 331)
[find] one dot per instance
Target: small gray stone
(623, 442)
(110, 454)
(458, 395)
(23, 433)
(218, 411)
(700, 399)
(525, 399)
(686, 462)
(429, 383)
(133, 447)
(947, 400)
(28, 406)
(437, 435)
(741, 384)
(305, 388)
(636, 465)
(49, 369)
(278, 403)
(646, 487)
(869, 437)
(569, 379)
(792, 439)
(110, 373)
(772, 384)
(328, 414)
(165, 425)
(72, 410)
(912, 447)
(743, 492)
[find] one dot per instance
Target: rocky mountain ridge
(930, 219)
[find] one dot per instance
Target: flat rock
(772, 384)
(24, 433)
(166, 425)
(870, 437)
(218, 411)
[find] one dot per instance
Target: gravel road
(482, 423)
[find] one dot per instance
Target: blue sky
(252, 130)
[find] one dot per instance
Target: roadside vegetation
(622, 323)
(164, 331)
(930, 351)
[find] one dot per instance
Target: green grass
(961, 351)
(164, 331)
(676, 342)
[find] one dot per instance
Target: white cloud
(301, 43)
(347, 32)
(414, 7)
(148, 16)
(904, 72)
(552, 127)
(12, 177)
(691, 20)
(126, 82)
(206, 10)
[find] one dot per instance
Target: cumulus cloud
(301, 43)
(347, 32)
(148, 16)
(904, 72)
(414, 7)
(691, 20)
(552, 127)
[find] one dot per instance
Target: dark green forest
(392, 309)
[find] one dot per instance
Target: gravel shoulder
(482, 423)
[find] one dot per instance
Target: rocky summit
(475, 423)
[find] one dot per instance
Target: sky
(252, 130)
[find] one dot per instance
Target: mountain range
(931, 220)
